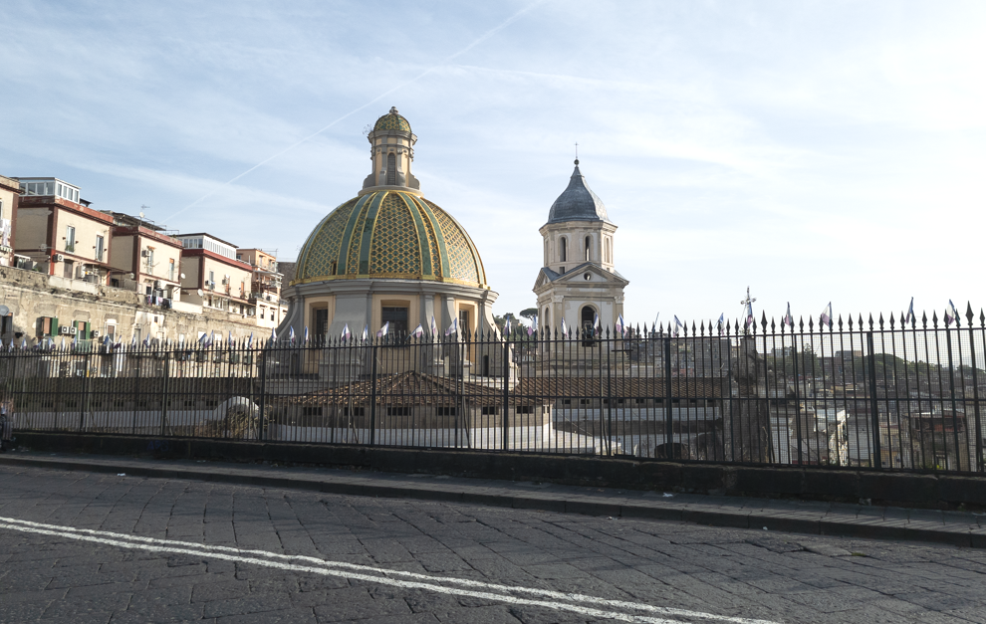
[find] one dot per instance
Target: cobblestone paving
(700, 574)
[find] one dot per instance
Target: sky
(811, 151)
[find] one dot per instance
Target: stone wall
(30, 295)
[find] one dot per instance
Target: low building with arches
(579, 280)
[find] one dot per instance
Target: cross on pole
(748, 300)
(576, 150)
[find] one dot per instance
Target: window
(391, 169)
(490, 411)
(588, 247)
(321, 322)
(171, 269)
(356, 411)
(212, 279)
(445, 411)
(397, 317)
(398, 411)
(70, 239)
(525, 409)
(100, 241)
(311, 411)
(563, 255)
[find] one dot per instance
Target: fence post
(262, 369)
(373, 395)
(83, 404)
(609, 401)
(797, 401)
(668, 414)
(164, 394)
(874, 409)
(975, 394)
(506, 391)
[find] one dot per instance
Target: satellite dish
(200, 292)
(4, 310)
(182, 275)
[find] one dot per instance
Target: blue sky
(814, 151)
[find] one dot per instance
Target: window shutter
(54, 326)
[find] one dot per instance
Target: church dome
(577, 202)
(392, 121)
(390, 234)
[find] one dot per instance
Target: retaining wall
(936, 491)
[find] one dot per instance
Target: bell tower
(579, 281)
(391, 154)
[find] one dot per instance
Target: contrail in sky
(444, 61)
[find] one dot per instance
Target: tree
(529, 313)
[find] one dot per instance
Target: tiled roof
(413, 389)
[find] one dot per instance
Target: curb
(735, 514)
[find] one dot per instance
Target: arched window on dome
(392, 169)
(588, 247)
(563, 253)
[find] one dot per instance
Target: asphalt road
(81, 547)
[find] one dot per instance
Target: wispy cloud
(814, 151)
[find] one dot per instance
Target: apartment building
(60, 233)
(142, 252)
(213, 277)
(10, 192)
(266, 286)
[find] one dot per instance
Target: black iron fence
(889, 395)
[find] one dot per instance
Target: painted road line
(359, 572)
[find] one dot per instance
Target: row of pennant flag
(207, 341)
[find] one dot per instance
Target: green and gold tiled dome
(392, 121)
(390, 234)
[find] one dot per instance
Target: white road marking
(363, 573)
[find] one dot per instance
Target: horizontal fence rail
(896, 395)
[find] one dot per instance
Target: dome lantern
(391, 154)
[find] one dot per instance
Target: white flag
(383, 330)
(345, 332)
(419, 331)
(826, 317)
(434, 326)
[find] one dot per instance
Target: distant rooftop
(50, 187)
(201, 240)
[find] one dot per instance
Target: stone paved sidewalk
(819, 518)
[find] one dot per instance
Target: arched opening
(588, 247)
(588, 318)
(609, 250)
(563, 255)
(546, 253)
(392, 169)
(545, 320)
